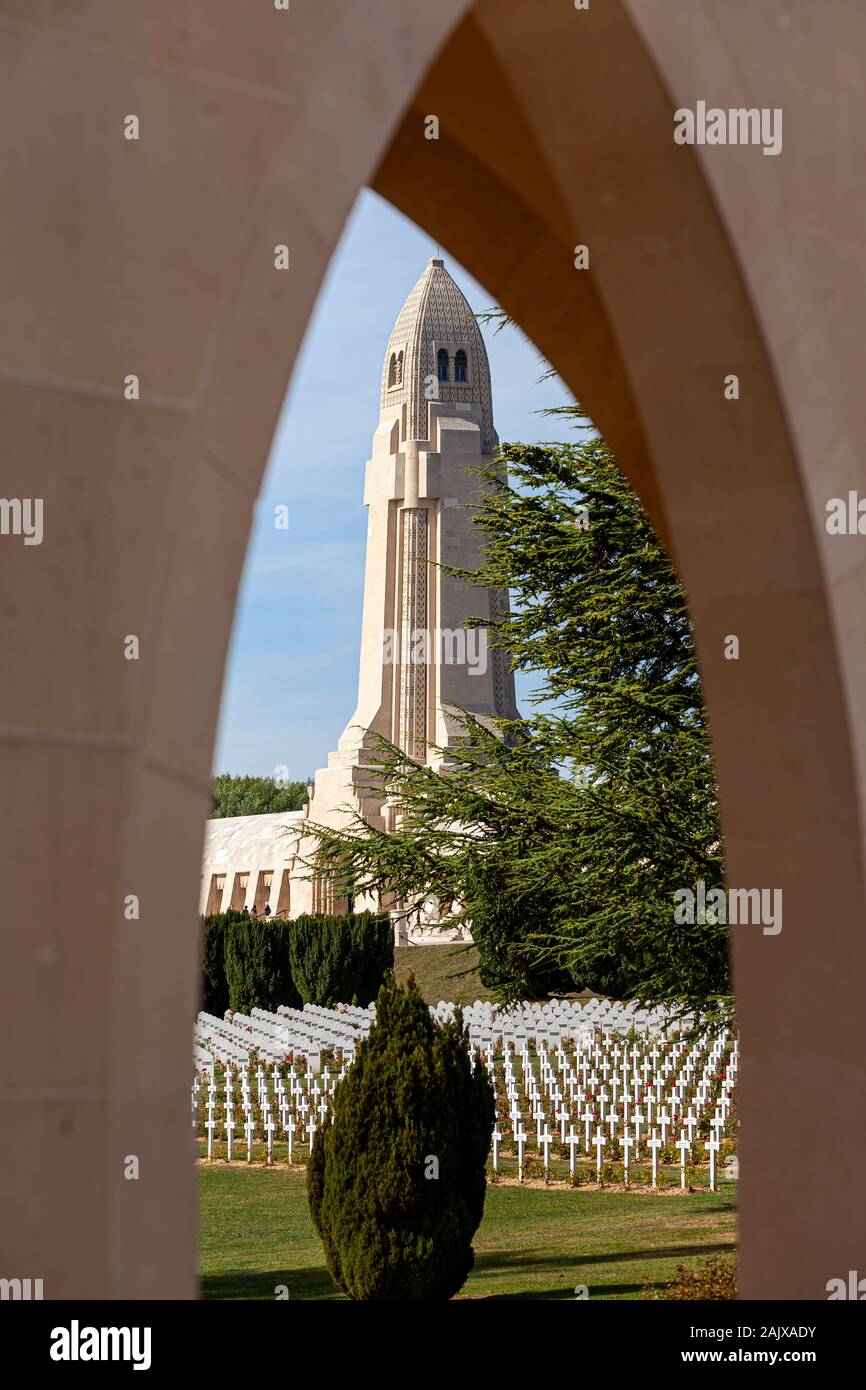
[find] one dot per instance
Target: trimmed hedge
(341, 960)
(250, 962)
(215, 991)
(258, 972)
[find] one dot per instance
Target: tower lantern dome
(436, 353)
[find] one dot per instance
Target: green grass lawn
(256, 1233)
(447, 972)
(441, 972)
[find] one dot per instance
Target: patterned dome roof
(436, 315)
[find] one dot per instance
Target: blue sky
(292, 671)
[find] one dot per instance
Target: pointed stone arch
(157, 257)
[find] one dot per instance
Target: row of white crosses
(586, 1083)
(290, 1100)
(313, 1029)
(624, 1093)
(265, 1044)
(558, 1020)
(275, 1036)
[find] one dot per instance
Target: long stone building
(418, 663)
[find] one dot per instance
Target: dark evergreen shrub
(246, 963)
(241, 944)
(279, 986)
(337, 959)
(396, 1179)
(215, 991)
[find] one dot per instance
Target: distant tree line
(255, 796)
(250, 962)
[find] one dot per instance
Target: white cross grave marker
(712, 1145)
(683, 1144)
(546, 1139)
(599, 1141)
(627, 1143)
(655, 1144)
(270, 1126)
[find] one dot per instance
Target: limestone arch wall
(737, 490)
(156, 258)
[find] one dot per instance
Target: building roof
(436, 315)
(247, 842)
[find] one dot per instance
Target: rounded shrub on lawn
(396, 1178)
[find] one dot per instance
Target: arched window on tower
(399, 380)
(442, 364)
(460, 365)
(392, 370)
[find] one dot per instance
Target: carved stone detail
(437, 311)
(413, 674)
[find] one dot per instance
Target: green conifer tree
(335, 959)
(396, 1179)
(215, 994)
